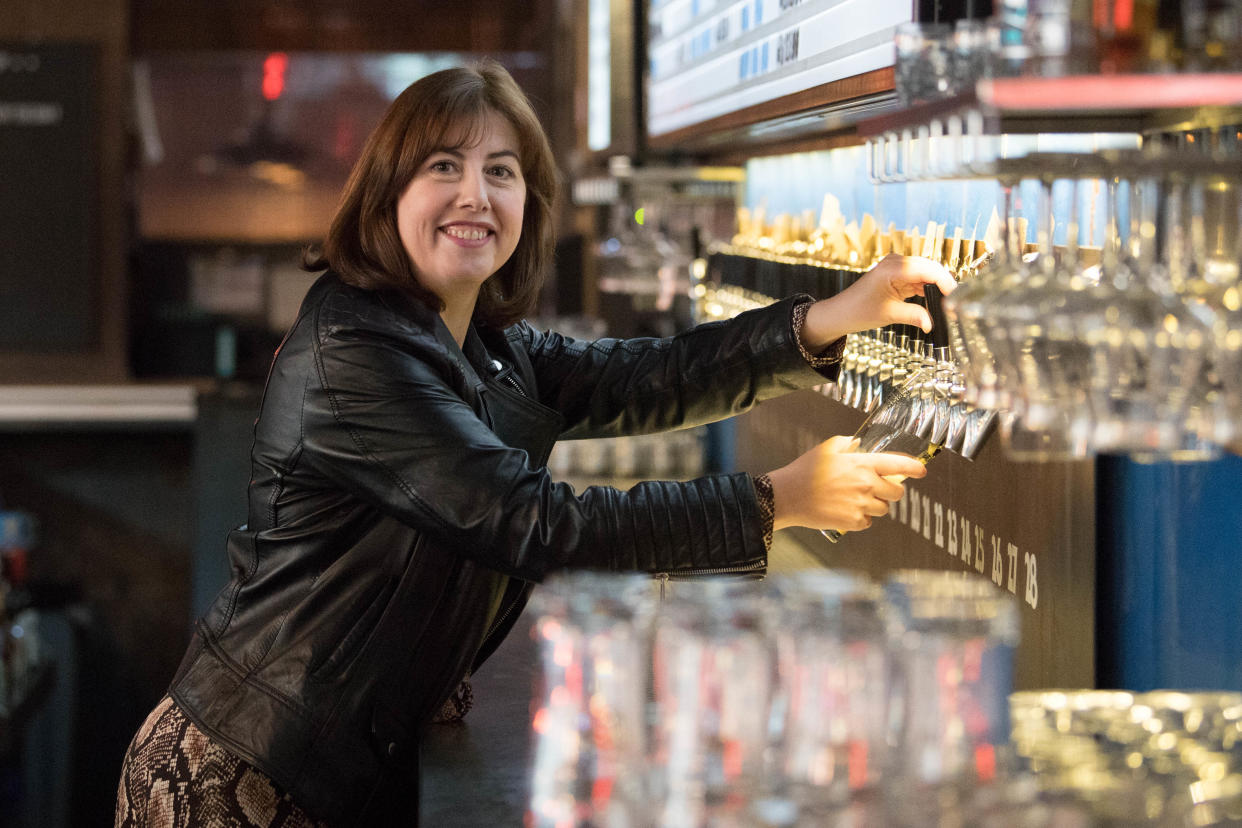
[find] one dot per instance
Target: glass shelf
(1086, 103)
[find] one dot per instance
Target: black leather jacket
(400, 509)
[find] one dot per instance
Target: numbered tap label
(970, 543)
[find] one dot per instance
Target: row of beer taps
(875, 365)
(880, 363)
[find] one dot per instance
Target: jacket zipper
(512, 383)
(497, 622)
(505, 375)
(665, 577)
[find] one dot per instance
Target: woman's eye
(502, 172)
(442, 166)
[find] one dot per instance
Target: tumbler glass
(970, 43)
(833, 677)
(924, 62)
(984, 354)
(589, 717)
(952, 637)
(1212, 35)
(1123, 31)
(714, 672)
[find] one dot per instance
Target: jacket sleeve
(611, 387)
(382, 420)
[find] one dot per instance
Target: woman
(400, 508)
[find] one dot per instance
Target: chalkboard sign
(48, 197)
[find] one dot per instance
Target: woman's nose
(472, 192)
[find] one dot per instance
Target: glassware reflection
(953, 637)
(713, 673)
(589, 717)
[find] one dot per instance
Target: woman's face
(460, 217)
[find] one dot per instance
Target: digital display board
(707, 59)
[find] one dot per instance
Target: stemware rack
(963, 136)
(1034, 529)
(1172, 133)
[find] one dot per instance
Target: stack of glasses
(1156, 758)
(817, 699)
(826, 699)
(879, 365)
(1138, 350)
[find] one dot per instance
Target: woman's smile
(469, 234)
(461, 215)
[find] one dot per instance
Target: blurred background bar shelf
(44, 407)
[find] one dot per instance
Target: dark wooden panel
(1029, 527)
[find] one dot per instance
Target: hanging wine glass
(967, 311)
(1227, 357)
(1149, 349)
(1049, 419)
(1182, 264)
(1227, 339)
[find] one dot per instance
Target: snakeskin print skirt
(175, 777)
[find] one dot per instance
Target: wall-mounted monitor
(710, 59)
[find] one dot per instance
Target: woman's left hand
(878, 298)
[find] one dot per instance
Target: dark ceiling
(342, 25)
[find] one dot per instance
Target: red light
(274, 66)
(856, 755)
(601, 791)
(731, 759)
(985, 762)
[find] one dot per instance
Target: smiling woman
(400, 504)
(460, 216)
(449, 114)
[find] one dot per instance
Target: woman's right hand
(832, 486)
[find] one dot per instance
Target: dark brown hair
(363, 244)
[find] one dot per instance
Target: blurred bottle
(1059, 38)
(1008, 42)
(18, 647)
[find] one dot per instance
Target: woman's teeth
(471, 233)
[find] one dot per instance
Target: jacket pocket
(359, 621)
(335, 620)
